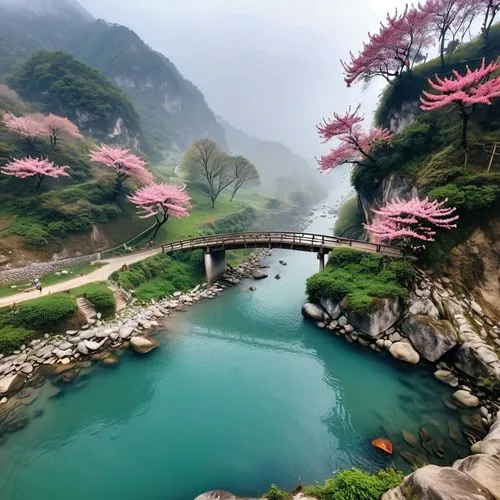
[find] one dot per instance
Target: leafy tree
(161, 201)
(244, 173)
(205, 163)
(490, 9)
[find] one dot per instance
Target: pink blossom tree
(490, 9)
(58, 127)
(450, 16)
(464, 92)
(34, 167)
(161, 201)
(355, 144)
(29, 127)
(125, 163)
(410, 221)
(395, 48)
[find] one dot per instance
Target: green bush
(360, 277)
(276, 493)
(355, 484)
(39, 314)
(100, 296)
(12, 337)
(467, 197)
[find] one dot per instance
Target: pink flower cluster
(161, 199)
(30, 167)
(415, 219)
(474, 87)
(355, 143)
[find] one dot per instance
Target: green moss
(355, 484)
(276, 493)
(12, 338)
(360, 277)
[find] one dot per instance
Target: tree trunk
(213, 201)
(441, 51)
(465, 143)
(40, 179)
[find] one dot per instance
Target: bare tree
(204, 161)
(244, 173)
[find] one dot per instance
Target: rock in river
(446, 377)
(431, 337)
(404, 352)
(143, 345)
(466, 399)
(11, 384)
(259, 275)
(383, 314)
(312, 311)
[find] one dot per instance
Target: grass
(99, 295)
(361, 278)
(50, 279)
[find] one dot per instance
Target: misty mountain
(281, 170)
(173, 111)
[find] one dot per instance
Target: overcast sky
(270, 67)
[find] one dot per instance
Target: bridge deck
(307, 242)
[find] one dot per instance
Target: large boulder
(465, 398)
(12, 384)
(143, 345)
(404, 352)
(431, 337)
(439, 483)
(478, 360)
(490, 445)
(382, 315)
(259, 275)
(312, 311)
(423, 306)
(331, 307)
(485, 469)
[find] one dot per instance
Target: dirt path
(102, 274)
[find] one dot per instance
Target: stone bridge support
(321, 259)
(215, 264)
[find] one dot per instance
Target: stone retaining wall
(36, 270)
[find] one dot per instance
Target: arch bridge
(215, 246)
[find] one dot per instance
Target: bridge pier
(215, 264)
(321, 258)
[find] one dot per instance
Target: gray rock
(387, 344)
(343, 321)
(125, 332)
(431, 337)
(45, 352)
(446, 377)
(12, 384)
(82, 348)
(146, 324)
(221, 495)
(5, 367)
(20, 359)
(331, 307)
(349, 329)
(485, 469)
(26, 368)
(466, 399)
(404, 352)
(102, 333)
(75, 340)
(478, 360)
(93, 346)
(70, 333)
(60, 353)
(113, 336)
(380, 343)
(423, 306)
(176, 294)
(476, 308)
(383, 314)
(65, 345)
(312, 311)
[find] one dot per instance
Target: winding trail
(101, 274)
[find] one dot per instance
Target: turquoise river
(241, 394)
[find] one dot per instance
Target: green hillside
(56, 82)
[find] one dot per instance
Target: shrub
(12, 337)
(276, 493)
(100, 296)
(355, 484)
(467, 197)
(360, 277)
(40, 314)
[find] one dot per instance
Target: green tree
(204, 163)
(244, 173)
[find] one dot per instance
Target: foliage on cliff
(360, 277)
(349, 221)
(56, 82)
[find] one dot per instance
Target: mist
(271, 68)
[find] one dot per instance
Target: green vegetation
(361, 277)
(349, 223)
(99, 295)
(11, 338)
(355, 484)
(161, 275)
(276, 493)
(57, 83)
(50, 279)
(40, 314)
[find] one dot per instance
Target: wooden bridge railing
(280, 239)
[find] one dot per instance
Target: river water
(242, 393)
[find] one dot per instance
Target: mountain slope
(173, 111)
(281, 170)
